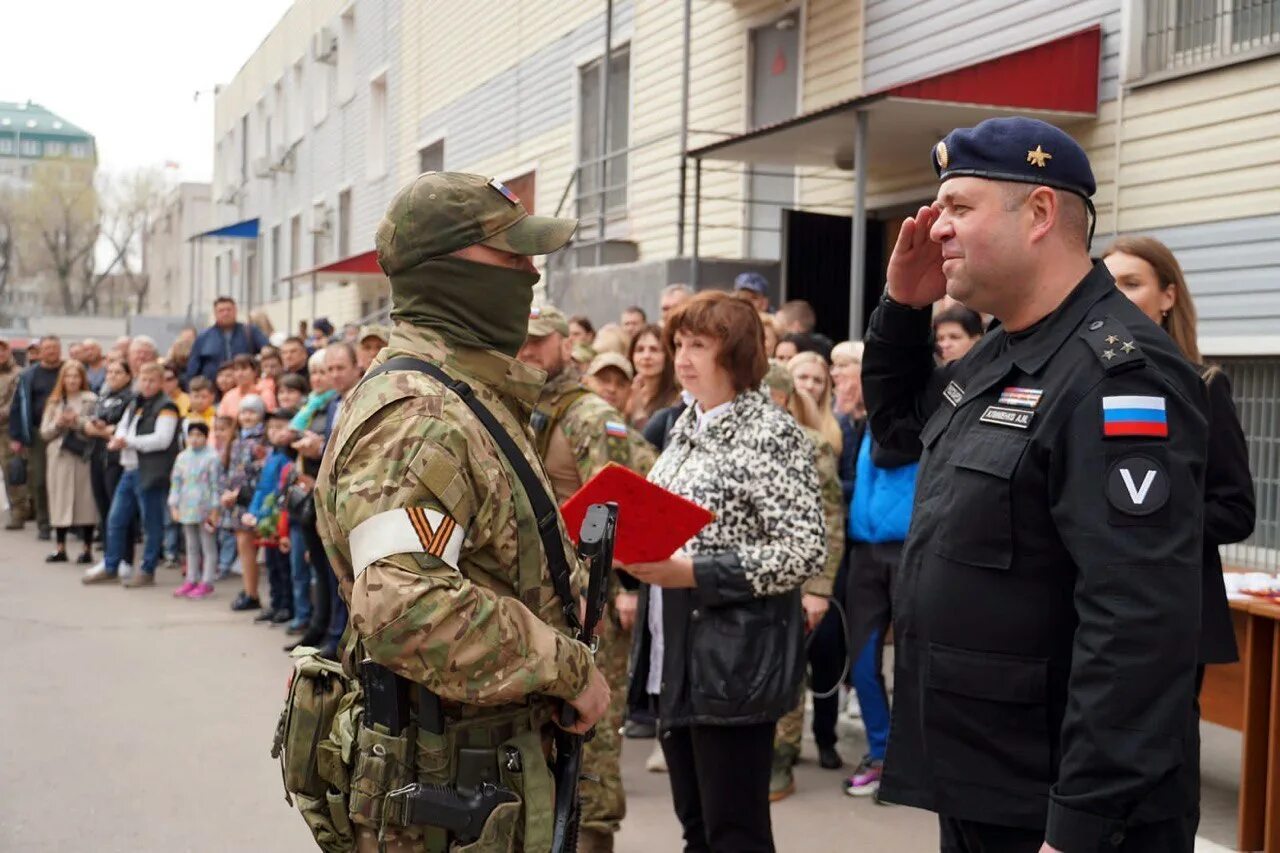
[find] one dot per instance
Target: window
(431, 157)
(250, 274)
(55, 149)
(6, 146)
(376, 153)
(217, 274)
(589, 152)
(295, 244)
(321, 80)
(30, 148)
(244, 149)
(275, 261)
(344, 224)
(347, 56)
(1186, 34)
(282, 119)
(1255, 383)
(298, 105)
(81, 150)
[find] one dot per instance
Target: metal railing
(1255, 383)
(1183, 34)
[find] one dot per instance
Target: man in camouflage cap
(432, 538)
(372, 338)
(577, 433)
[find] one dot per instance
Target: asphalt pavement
(131, 721)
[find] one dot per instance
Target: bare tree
(58, 225)
(129, 202)
(8, 201)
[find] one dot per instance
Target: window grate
(1184, 34)
(1255, 384)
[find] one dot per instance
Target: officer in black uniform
(1047, 613)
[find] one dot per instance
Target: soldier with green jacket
(577, 434)
(10, 373)
(430, 533)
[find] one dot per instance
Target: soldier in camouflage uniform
(17, 495)
(577, 434)
(430, 534)
(818, 589)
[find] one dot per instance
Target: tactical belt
(544, 509)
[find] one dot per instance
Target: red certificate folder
(652, 522)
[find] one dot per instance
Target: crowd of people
(205, 457)
(201, 459)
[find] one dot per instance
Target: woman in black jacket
(727, 655)
(105, 470)
(1147, 272)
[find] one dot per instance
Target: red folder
(652, 522)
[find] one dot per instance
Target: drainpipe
(858, 253)
(601, 215)
(684, 125)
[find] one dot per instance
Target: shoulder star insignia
(1109, 354)
(1128, 346)
(1112, 339)
(1039, 157)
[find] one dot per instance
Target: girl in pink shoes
(193, 503)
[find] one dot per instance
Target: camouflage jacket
(9, 375)
(827, 461)
(467, 608)
(571, 422)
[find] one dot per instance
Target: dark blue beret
(1016, 149)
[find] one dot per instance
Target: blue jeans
(129, 500)
(300, 574)
(173, 544)
(226, 550)
(868, 683)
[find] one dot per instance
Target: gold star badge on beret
(1039, 157)
(940, 151)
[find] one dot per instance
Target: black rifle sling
(544, 509)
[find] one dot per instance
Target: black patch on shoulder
(1111, 343)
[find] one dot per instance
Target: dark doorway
(815, 268)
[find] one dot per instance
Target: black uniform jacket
(1229, 516)
(1047, 611)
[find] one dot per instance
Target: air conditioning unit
(282, 159)
(320, 218)
(324, 46)
(262, 167)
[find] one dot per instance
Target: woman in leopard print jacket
(727, 652)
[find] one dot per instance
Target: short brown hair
(246, 360)
(734, 324)
(200, 383)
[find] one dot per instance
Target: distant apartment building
(34, 138)
(179, 273)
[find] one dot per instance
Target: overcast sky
(126, 71)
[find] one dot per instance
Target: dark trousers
(826, 662)
(720, 784)
(278, 576)
(966, 836)
(37, 479)
(329, 615)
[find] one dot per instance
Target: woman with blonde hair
(70, 474)
(809, 372)
(1149, 274)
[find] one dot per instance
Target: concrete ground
(134, 722)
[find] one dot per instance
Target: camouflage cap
(547, 319)
(442, 212)
(611, 359)
(778, 378)
(374, 330)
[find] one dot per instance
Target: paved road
(133, 722)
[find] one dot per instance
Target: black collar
(1032, 352)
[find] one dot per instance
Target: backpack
(314, 740)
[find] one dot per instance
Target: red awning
(363, 266)
(1056, 81)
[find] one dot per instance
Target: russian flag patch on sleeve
(615, 429)
(1129, 416)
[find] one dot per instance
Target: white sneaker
(98, 574)
(657, 762)
(124, 571)
(853, 710)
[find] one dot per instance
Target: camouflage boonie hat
(547, 319)
(374, 330)
(611, 359)
(442, 212)
(583, 353)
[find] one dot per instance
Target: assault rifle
(595, 545)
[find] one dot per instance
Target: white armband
(411, 530)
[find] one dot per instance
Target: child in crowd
(225, 379)
(272, 367)
(193, 503)
(203, 409)
(265, 516)
(224, 435)
(291, 391)
(248, 376)
(244, 464)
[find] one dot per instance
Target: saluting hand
(915, 269)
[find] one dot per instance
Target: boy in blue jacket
(266, 513)
(879, 514)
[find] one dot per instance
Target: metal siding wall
(913, 39)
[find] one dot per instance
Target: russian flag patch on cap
(1127, 416)
(615, 429)
(502, 188)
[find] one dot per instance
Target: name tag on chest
(1007, 416)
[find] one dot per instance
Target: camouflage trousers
(17, 495)
(604, 804)
(790, 731)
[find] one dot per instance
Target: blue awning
(247, 230)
